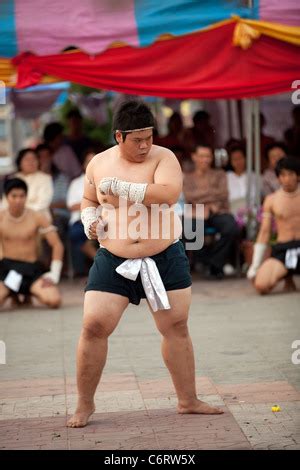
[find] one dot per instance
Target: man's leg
(226, 225)
(49, 295)
(177, 351)
(102, 312)
(269, 274)
(4, 293)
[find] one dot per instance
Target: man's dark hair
(132, 114)
(74, 113)
(14, 183)
(237, 148)
(274, 145)
(22, 154)
(41, 147)
(52, 130)
(206, 146)
(201, 115)
(287, 163)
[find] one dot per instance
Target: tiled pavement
(243, 354)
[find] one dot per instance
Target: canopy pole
(256, 115)
(249, 155)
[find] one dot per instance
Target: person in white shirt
(40, 187)
(74, 198)
(237, 180)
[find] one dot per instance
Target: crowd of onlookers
(54, 173)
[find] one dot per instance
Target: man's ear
(118, 137)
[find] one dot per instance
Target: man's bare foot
(81, 416)
(199, 407)
(289, 284)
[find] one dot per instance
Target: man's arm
(166, 188)
(90, 215)
(263, 238)
(167, 184)
(266, 224)
(89, 192)
(49, 232)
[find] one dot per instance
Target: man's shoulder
(33, 215)
(101, 157)
(163, 156)
(2, 213)
(162, 151)
(270, 199)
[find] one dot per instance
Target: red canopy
(200, 65)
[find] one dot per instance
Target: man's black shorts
(279, 251)
(172, 264)
(30, 272)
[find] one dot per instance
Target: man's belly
(145, 234)
(20, 253)
(287, 232)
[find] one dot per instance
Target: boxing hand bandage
(90, 215)
(55, 270)
(258, 256)
(134, 192)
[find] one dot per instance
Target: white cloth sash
(153, 286)
(291, 258)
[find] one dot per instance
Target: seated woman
(237, 180)
(40, 187)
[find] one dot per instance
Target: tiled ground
(243, 354)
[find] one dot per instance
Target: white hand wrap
(88, 217)
(134, 192)
(258, 256)
(55, 270)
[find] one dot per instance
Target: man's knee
(262, 287)
(175, 328)
(4, 294)
(50, 297)
(93, 329)
(54, 301)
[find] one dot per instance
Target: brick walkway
(243, 354)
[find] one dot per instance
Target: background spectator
(208, 186)
(274, 153)
(237, 180)
(62, 154)
(79, 142)
(40, 187)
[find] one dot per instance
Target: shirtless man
(155, 178)
(284, 206)
(20, 272)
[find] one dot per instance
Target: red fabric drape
(201, 65)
